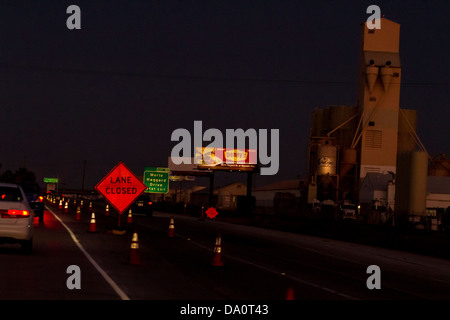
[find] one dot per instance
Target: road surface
(259, 264)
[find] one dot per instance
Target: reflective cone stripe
(134, 241)
(134, 250)
(171, 232)
(217, 260)
(129, 217)
(218, 247)
(92, 225)
(78, 214)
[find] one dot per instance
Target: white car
(16, 217)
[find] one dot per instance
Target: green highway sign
(50, 180)
(156, 179)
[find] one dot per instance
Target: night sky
(137, 70)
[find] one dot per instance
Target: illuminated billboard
(209, 158)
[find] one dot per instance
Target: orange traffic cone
(107, 210)
(290, 294)
(92, 225)
(171, 232)
(129, 217)
(60, 206)
(66, 207)
(78, 214)
(217, 260)
(90, 206)
(133, 257)
(81, 204)
(201, 216)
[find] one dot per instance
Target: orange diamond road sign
(120, 187)
(211, 213)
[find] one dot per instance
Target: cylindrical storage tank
(439, 170)
(349, 160)
(406, 141)
(326, 159)
(440, 167)
(402, 188)
(326, 121)
(402, 182)
(334, 116)
(338, 116)
(418, 182)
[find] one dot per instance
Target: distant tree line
(21, 175)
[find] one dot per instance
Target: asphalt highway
(259, 264)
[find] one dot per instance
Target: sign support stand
(211, 190)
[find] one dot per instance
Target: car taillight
(14, 213)
(41, 198)
(150, 202)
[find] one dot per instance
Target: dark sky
(139, 69)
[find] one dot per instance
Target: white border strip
(105, 276)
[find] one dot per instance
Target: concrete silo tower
(378, 98)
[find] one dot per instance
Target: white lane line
(105, 276)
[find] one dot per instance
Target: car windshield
(10, 194)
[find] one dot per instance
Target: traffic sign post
(120, 187)
(156, 179)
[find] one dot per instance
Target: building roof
(438, 184)
(377, 181)
(202, 190)
(281, 185)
